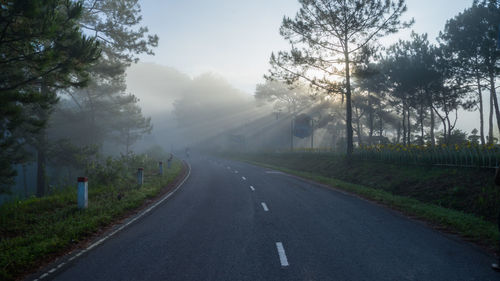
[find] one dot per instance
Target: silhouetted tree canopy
(42, 49)
(326, 35)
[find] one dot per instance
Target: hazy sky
(235, 38)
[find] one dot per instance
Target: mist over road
(235, 221)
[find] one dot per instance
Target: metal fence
(467, 155)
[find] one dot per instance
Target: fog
(208, 113)
(188, 111)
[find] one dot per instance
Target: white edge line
(264, 206)
(140, 215)
(282, 254)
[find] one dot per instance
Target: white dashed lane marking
(252, 188)
(264, 206)
(282, 254)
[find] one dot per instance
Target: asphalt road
(235, 221)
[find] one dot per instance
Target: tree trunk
(422, 123)
(358, 127)
(398, 133)
(41, 147)
(481, 110)
(449, 125)
(381, 128)
(433, 139)
(371, 121)
(41, 164)
(25, 184)
(409, 127)
(444, 124)
(495, 100)
(490, 121)
(127, 144)
(348, 103)
(404, 125)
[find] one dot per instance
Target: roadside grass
(37, 229)
(467, 225)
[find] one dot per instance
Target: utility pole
(312, 133)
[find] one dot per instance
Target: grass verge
(468, 226)
(35, 230)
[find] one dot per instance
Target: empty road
(235, 221)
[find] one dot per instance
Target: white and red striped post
(140, 176)
(83, 191)
(161, 168)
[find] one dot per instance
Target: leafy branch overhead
(117, 25)
(41, 50)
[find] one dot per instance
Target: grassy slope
(464, 201)
(36, 229)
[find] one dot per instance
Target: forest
(410, 93)
(63, 84)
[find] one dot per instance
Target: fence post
(83, 189)
(140, 176)
(161, 168)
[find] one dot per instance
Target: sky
(234, 38)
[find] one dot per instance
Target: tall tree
(115, 24)
(372, 82)
(470, 38)
(399, 72)
(416, 73)
(326, 34)
(131, 124)
(41, 49)
(448, 93)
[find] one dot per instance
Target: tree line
(62, 82)
(407, 90)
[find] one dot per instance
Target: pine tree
(325, 35)
(116, 25)
(41, 49)
(470, 38)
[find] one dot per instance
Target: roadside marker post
(140, 176)
(161, 168)
(169, 160)
(83, 191)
